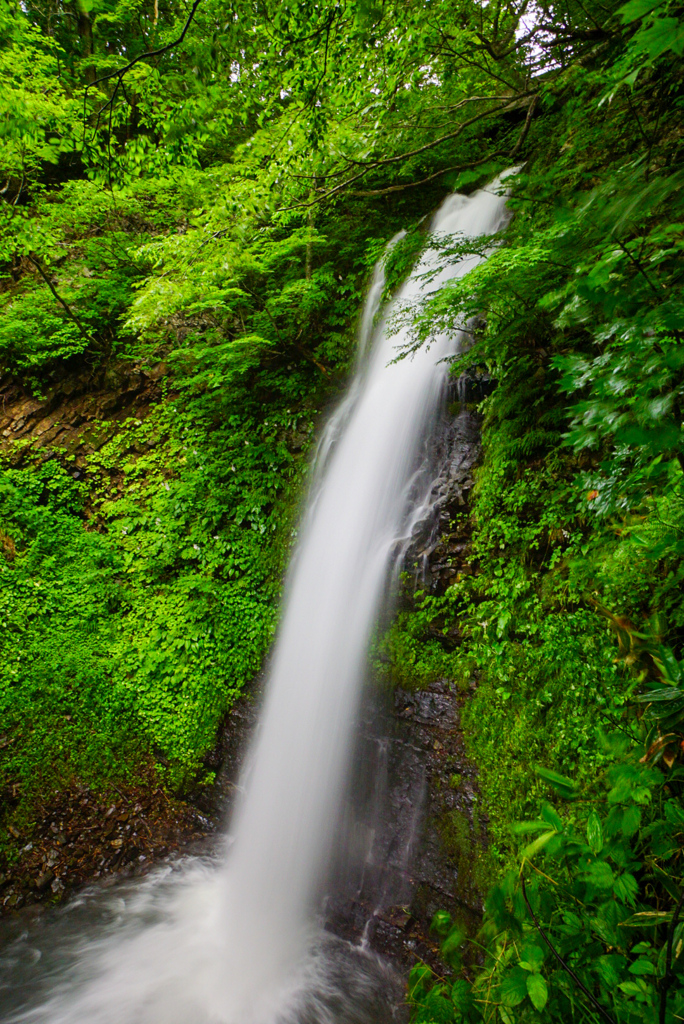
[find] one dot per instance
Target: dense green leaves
(588, 906)
(141, 633)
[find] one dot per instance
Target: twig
(636, 263)
(109, 134)
(526, 126)
(63, 303)
(597, 1006)
(311, 358)
(127, 67)
(365, 167)
(499, 109)
(431, 177)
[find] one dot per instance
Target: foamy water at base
(152, 951)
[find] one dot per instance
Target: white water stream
(230, 942)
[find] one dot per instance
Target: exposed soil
(75, 412)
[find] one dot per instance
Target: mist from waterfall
(236, 941)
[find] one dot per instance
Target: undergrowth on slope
(223, 219)
(138, 600)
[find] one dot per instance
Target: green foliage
(405, 656)
(589, 921)
(577, 523)
(155, 219)
(61, 717)
(215, 211)
(149, 626)
(32, 331)
(658, 30)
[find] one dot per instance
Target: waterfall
(230, 943)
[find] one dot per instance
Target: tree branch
(127, 67)
(63, 303)
(431, 177)
(637, 264)
(594, 1002)
(508, 104)
(372, 165)
(526, 126)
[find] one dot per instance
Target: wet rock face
(409, 829)
(438, 548)
(412, 828)
(79, 838)
(442, 872)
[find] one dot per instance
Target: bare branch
(63, 303)
(526, 126)
(127, 67)
(508, 104)
(431, 177)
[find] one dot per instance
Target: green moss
(461, 841)
(405, 655)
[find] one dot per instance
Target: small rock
(44, 880)
(397, 917)
(57, 885)
(116, 843)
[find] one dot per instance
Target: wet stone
(44, 880)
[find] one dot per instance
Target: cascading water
(231, 942)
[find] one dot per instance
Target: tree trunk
(85, 31)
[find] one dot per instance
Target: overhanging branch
(509, 104)
(127, 67)
(63, 303)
